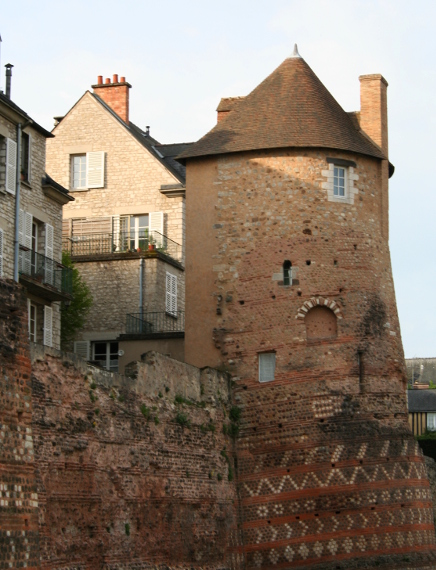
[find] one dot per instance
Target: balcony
(121, 242)
(156, 324)
(44, 277)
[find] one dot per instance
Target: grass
(182, 420)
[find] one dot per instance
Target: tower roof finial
(295, 53)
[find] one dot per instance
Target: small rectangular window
(339, 181)
(267, 366)
(78, 171)
(431, 421)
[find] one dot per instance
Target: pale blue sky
(182, 57)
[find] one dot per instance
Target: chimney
(115, 94)
(374, 109)
(9, 67)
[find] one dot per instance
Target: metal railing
(151, 323)
(121, 242)
(45, 270)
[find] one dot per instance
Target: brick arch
(320, 302)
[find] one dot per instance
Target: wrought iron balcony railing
(151, 323)
(121, 242)
(44, 270)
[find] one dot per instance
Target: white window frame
(340, 174)
(267, 366)
(350, 177)
(171, 294)
(108, 365)
(431, 421)
(82, 167)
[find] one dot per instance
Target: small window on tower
(287, 273)
(339, 181)
(267, 366)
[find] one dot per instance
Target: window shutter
(26, 226)
(81, 348)
(11, 166)
(95, 169)
(48, 326)
(171, 294)
(156, 228)
(1, 253)
(49, 264)
(267, 366)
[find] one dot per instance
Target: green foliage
(426, 435)
(182, 420)
(96, 411)
(219, 477)
(230, 476)
(74, 315)
(121, 398)
(235, 414)
(146, 412)
(93, 386)
(432, 385)
(167, 389)
(92, 396)
(160, 395)
(127, 529)
(207, 427)
(156, 420)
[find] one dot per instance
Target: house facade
(31, 214)
(289, 289)
(125, 229)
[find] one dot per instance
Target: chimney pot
(9, 67)
(107, 81)
(122, 80)
(115, 78)
(100, 79)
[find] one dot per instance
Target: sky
(182, 57)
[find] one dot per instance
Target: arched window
(321, 323)
(287, 272)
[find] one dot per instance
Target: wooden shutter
(171, 294)
(1, 253)
(49, 263)
(48, 326)
(95, 169)
(81, 348)
(25, 238)
(156, 222)
(11, 166)
(267, 366)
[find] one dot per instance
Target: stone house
(125, 229)
(31, 220)
(289, 288)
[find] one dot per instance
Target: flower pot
(151, 247)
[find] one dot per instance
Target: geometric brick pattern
(318, 301)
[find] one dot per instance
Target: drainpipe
(141, 285)
(17, 204)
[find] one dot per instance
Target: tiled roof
(6, 101)
(421, 400)
(290, 108)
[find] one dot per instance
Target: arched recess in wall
(320, 316)
(321, 323)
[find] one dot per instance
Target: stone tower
(289, 287)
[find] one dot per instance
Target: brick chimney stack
(115, 94)
(374, 109)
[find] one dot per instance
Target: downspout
(141, 285)
(17, 204)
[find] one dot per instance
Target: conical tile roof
(290, 108)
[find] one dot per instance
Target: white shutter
(95, 169)
(48, 326)
(11, 166)
(267, 366)
(156, 222)
(26, 236)
(49, 264)
(81, 348)
(1, 253)
(171, 294)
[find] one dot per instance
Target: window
(48, 326)
(139, 232)
(267, 366)
(431, 421)
(106, 355)
(87, 170)
(25, 156)
(339, 181)
(32, 321)
(171, 295)
(11, 166)
(287, 273)
(78, 171)
(340, 178)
